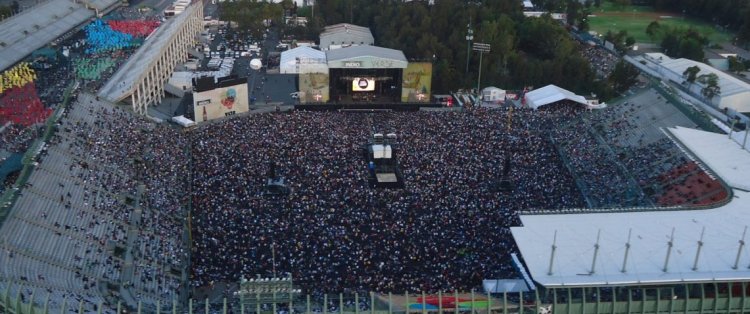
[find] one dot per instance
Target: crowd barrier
(16, 76)
(134, 28)
(100, 37)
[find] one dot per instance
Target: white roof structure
(102, 5)
(380, 151)
(291, 59)
(122, 83)
(345, 34)
(32, 29)
(735, 93)
(493, 94)
(366, 57)
(719, 229)
(551, 94)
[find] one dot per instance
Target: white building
(293, 58)
(345, 35)
(735, 93)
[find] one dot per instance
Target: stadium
(542, 205)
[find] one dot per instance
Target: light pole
(482, 48)
(469, 38)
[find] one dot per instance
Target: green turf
(635, 24)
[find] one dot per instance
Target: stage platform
(386, 177)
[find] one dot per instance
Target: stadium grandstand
(639, 206)
(143, 77)
(30, 30)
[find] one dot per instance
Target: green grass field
(635, 19)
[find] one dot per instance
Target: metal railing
(712, 297)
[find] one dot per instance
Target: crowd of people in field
(145, 163)
(601, 60)
(447, 229)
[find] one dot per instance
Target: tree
(652, 30)
(683, 43)
(629, 41)
(735, 65)
(710, 86)
(690, 74)
(621, 4)
(623, 76)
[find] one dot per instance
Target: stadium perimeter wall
(680, 298)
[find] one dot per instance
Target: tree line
(525, 51)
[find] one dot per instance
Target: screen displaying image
(363, 84)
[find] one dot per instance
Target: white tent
(493, 94)
(291, 59)
(551, 94)
(182, 121)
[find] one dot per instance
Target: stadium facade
(620, 260)
(142, 78)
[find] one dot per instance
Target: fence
(712, 297)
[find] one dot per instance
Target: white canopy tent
(291, 59)
(493, 94)
(551, 94)
(183, 122)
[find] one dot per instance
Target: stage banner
(417, 82)
(220, 102)
(313, 83)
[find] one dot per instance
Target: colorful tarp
(100, 37)
(16, 76)
(135, 28)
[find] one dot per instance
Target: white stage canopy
(551, 94)
(292, 59)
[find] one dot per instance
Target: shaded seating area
(100, 37)
(689, 185)
(135, 28)
(21, 105)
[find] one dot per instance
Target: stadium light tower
(469, 38)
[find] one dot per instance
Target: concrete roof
(102, 5)
(365, 51)
(729, 85)
(343, 28)
(303, 53)
(122, 84)
(551, 94)
(43, 24)
(575, 235)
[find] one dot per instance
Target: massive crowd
(447, 229)
(602, 61)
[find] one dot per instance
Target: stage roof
(575, 235)
(43, 23)
(366, 57)
(291, 59)
(551, 94)
(347, 29)
(121, 85)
